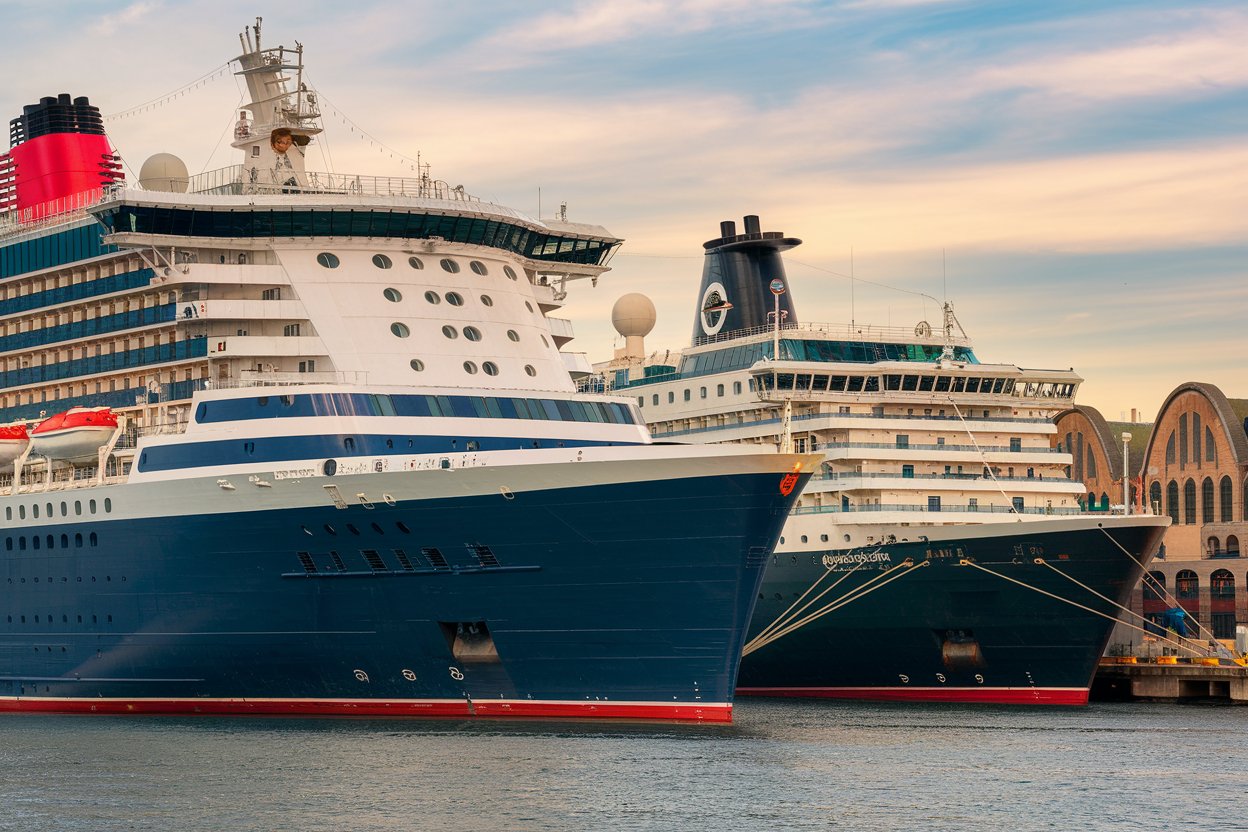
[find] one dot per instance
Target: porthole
(470, 368)
(510, 272)
(330, 468)
(545, 343)
(478, 267)
(415, 262)
(490, 368)
(472, 333)
(417, 364)
(392, 295)
(329, 261)
(486, 300)
(450, 332)
(528, 306)
(400, 330)
(454, 298)
(513, 335)
(449, 265)
(529, 370)
(381, 261)
(433, 297)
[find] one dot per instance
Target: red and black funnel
(59, 157)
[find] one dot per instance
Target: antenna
(851, 288)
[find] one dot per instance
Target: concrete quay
(1168, 679)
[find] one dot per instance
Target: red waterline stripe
(997, 696)
(493, 709)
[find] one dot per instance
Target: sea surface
(782, 765)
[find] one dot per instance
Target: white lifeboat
(77, 434)
(14, 439)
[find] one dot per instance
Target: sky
(1072, 176)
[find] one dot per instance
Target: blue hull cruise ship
(941, 552)
(310, 446)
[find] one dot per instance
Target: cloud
(109, 24)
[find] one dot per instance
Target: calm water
(781, 766)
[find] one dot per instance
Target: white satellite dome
(164, 172)
(633, 315)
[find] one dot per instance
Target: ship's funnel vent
(738, 276)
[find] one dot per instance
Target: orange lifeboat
(75, 434)
(14, 439)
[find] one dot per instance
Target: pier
(1170, 679)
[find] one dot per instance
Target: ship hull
(992, 614)
(625, 599)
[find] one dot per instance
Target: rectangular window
(933, 503)
(1017, 502)
(1016, 443)
(903, 440)
(972, 504)
(907, 472)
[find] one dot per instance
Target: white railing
(233, 180)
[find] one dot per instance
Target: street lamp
(1126, 478)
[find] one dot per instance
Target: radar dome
(633, 315)
(164, 172)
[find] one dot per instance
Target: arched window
(1154, 589)
(1172, 501)
(1196, 436)
(1222, 604)
(1206, 500)
(1186, 585)
(1183, 440)
(1212, 547)
(1104, 501)
(1232, 546)
(1078, 456)
(1154, 496)
(1170, 449)
(1211, 450)
(1091, 470)
(1189, 502)
(1225, 498)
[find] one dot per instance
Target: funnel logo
(715, 308)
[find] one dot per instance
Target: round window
(381, 261)
(417, 364)
(472, 333)
(329, 261)
(470, 368)
(330, 468)
(400, 330)
(513, 335)
(454, 298)
(415, 262)
(450, 332)
(486, 300)
(529, 370)
(449, 265)
(510, 272)
(545, 343)
(528, 306)
(433, 297)
(392, 295)
(490, 368)
(478, 267)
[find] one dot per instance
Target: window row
(375, 404)
(1187, 507)
(50, 543)
(50, 509)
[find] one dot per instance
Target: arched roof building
(1192, 463)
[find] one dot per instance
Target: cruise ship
(941, 552)
(280, 441)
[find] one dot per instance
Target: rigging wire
(161, 100)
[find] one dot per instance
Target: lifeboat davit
(76, 434)
(14, 439)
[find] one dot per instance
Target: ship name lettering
(855, 560)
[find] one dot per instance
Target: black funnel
(737, 278)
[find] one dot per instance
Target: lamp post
(1126, 478)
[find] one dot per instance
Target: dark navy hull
(614, 600)
(945, 630)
